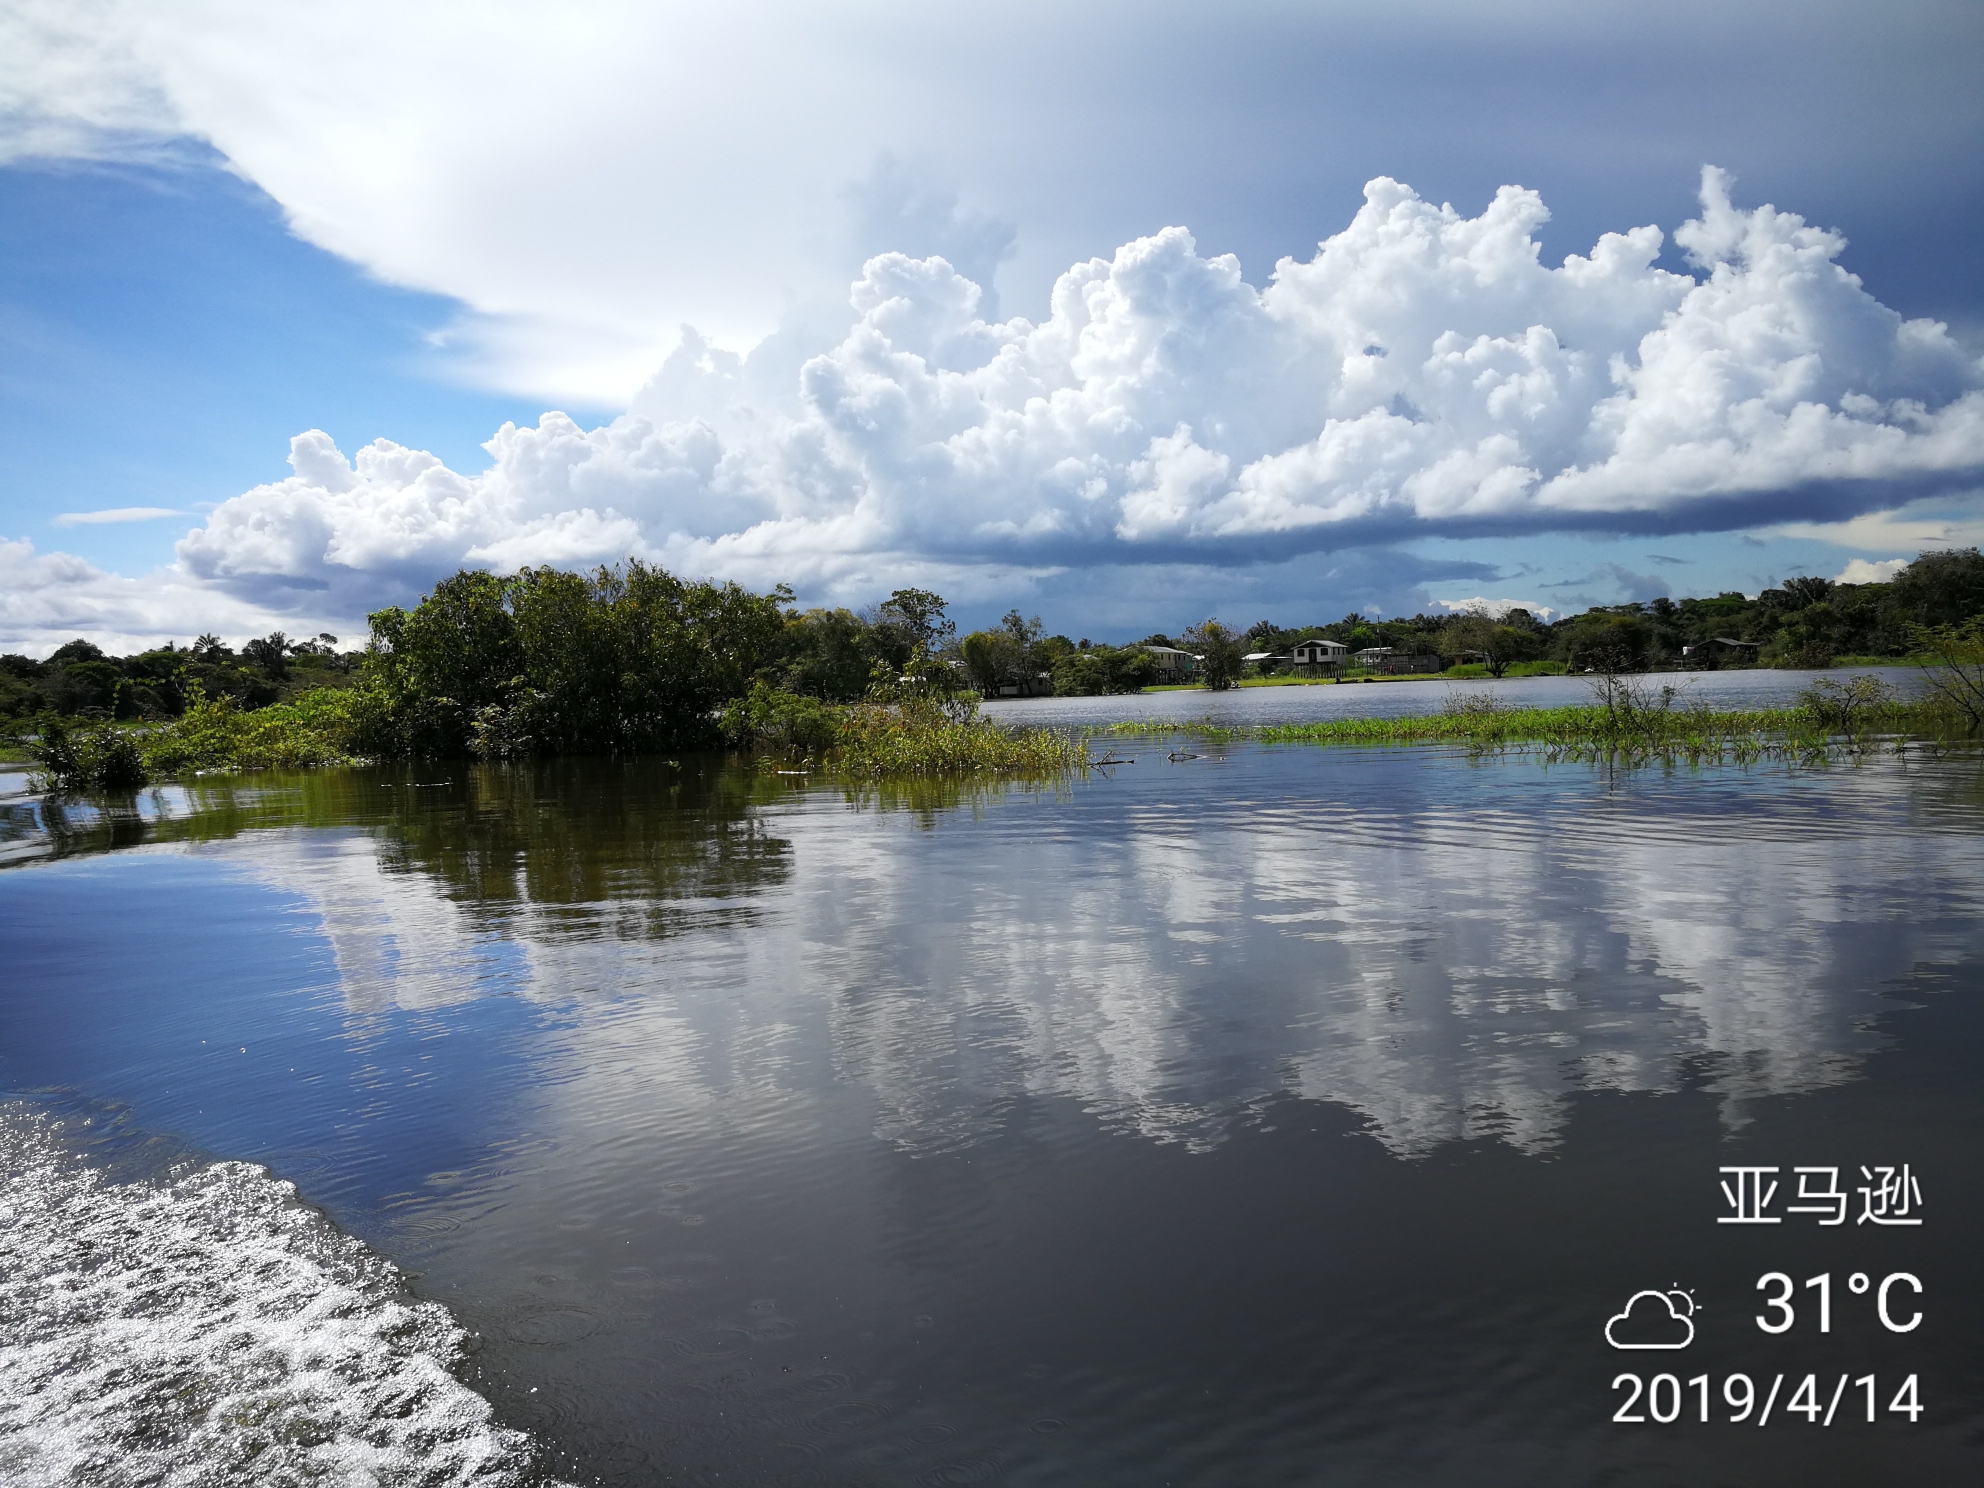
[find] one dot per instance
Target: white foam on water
(210, 1329)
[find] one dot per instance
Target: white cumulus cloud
(49, 598)
(1495, 609)
(1424, 374)
(1860, 571)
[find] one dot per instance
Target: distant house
(1716, 648)
(1319, 655)
(1040, 684)
(1173, 665)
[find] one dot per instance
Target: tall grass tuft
(909, 738)
(907, 729)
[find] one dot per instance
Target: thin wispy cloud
(115, 514)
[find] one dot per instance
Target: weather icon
(1653, 1320)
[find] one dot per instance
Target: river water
(1279, 1116)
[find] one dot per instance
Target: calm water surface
(1278, 1117)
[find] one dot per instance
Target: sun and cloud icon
(1653, 1320)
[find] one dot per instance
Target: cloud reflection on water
(1449, 950)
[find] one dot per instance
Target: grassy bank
(914, 736)
(1632, 725)
(867, 741)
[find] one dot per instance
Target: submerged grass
(881, 741)
(905, 734)
(1625, 724)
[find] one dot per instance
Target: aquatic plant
(1852, 705)
(925, 737)
(321, 727)
(95, 757)
(1636, 727)
(1954, 671)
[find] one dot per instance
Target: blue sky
(173, 310)
(423, 225)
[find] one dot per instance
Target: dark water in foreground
(1279, 1117)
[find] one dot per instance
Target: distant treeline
(1804, 622)
(80, 681)
(629, 659)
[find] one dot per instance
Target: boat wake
(210, 1329)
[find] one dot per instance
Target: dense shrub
(545, 662)
(783, 723)
(315, 728)
(96, 757)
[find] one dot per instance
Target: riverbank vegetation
(632, 660)
(920, 724)
(1805, 622)
(1630, 722)
(619, 662)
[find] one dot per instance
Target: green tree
(1220, 654)
(91, 688)
(1497, 645)
(1081, 674)
(993, 659)
(271, 654)
(1941, 588)
(828, 654)
(917, 616)
(436, 666)
(1507, 645)
(1807, 590)
(1605, 641)
(550, 662)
